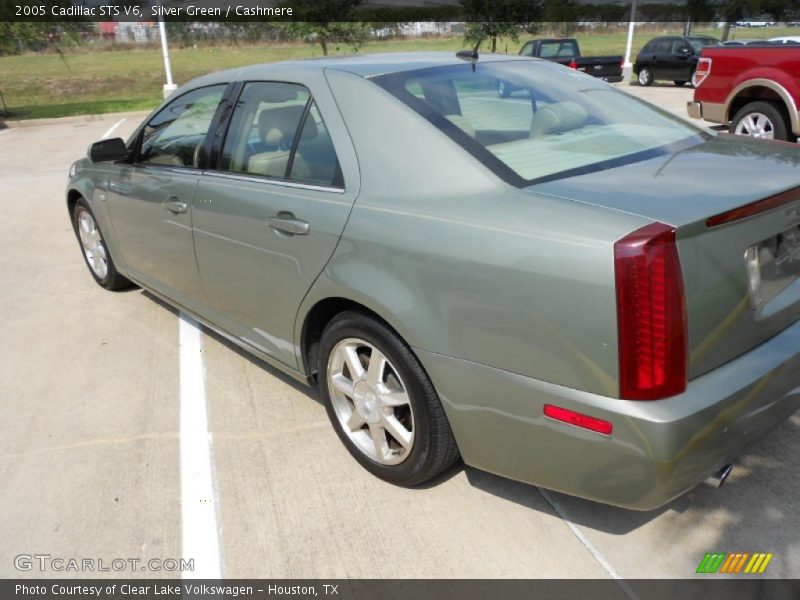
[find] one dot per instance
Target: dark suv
(672, 57)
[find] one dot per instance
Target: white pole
(627, 66)
(170, 86)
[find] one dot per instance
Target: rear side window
(662, 46)
(277, 132)
(558, 50)
(176, 135)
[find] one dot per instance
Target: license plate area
(772, 266)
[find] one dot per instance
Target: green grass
(93, 82)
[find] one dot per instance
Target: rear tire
(764, 120)
(381, 402)
(95, 250)
(645, 77)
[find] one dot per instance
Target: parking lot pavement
(667, 96)
(90, 435)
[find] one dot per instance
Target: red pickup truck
(754, 89)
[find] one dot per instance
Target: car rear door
(150, 200)
(271, 213)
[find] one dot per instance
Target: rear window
(556, 123)
(558, 49)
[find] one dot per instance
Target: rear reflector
(651, 314)
(577, 419)
(755, 208)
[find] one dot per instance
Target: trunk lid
(741, 277)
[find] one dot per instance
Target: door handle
(287, 223)
(175, 206)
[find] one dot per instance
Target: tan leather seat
(277, 127)
(557, 117)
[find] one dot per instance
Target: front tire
(95, 250)
(645, 77)
(763, 120)
(381, 402)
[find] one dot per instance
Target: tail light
(573, 64)
(702, 71)
(651, 314)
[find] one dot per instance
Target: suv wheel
(645, 76)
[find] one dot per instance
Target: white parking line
(198, 500)
(598, 556)
(113, 128)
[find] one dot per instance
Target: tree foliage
(490, 19)
(327, 21)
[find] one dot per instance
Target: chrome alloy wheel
(644, 77)
(371, 401)
(92, 243)
(757, 125)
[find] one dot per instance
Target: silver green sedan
(568, 287)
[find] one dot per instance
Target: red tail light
(702, 71)
(651, 314)
(573, 64)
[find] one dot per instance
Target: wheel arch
(319, 315)
(761, 89)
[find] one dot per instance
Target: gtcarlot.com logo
(58, 564)
(735, 563)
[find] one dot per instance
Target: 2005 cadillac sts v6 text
(567, 287)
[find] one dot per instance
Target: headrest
(558, 117)
(277, 126)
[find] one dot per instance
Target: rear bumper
(709, 111)
(613, 79)
(695, 110)
(657, 450)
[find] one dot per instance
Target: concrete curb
(75, 120)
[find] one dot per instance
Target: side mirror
(686, 51)
(108, 151)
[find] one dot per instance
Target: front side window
(176, 135)
(559, 122)
(277, 132)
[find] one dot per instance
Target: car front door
(267, 220)
(680, 61)
(150, 202)
(661, 58)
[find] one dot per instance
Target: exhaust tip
(720, 477)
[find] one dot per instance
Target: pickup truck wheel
(645, 76)
(763, 119)
(381, 402)
(94, 248)
(502, 89)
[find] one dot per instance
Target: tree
(495, 18)
(326, 21)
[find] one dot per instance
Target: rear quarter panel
(464, 265)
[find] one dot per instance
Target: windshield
(532, 120)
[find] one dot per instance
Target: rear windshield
(532, 121)
(558, 49)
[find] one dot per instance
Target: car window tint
(662, 46)
(315, 159)
(176, 135)
(680, 46)
(263, 128)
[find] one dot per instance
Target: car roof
(365, 65)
